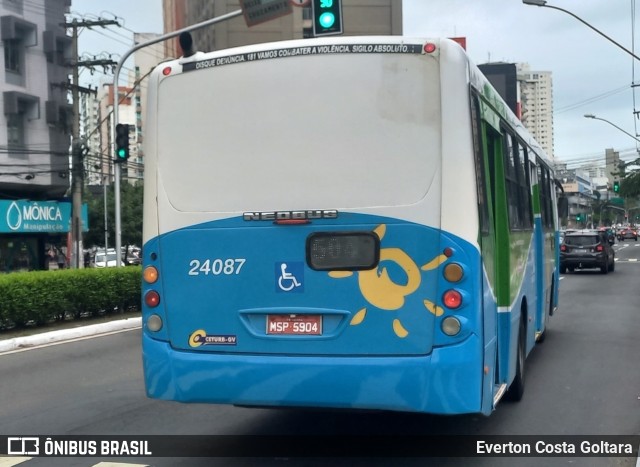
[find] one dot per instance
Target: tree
(130, 216)
(630, 185)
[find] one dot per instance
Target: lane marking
(11, 461)
(118, 464)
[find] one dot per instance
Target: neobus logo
(290, 215)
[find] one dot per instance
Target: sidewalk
(51, 337)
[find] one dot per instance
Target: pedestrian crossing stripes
(11, 461)
(117, 464)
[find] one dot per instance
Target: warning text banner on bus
(304, 50)
(320, 446)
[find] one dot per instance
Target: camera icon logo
(23, 446)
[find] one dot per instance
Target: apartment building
(35, 130)
(536, 98)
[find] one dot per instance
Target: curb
(67, 334)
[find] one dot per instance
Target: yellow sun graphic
(380, 291)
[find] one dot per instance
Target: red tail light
(452, 299)
(152, 298)
(599, 248)
(563, 247)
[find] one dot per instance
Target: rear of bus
(300, 245)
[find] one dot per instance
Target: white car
(106, 260)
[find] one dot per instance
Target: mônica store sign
(21, 216)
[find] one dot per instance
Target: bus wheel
(543, 336)
(516, 390)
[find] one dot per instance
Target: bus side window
(525, 185)
(545, 195)
(481, 182)
(511, 175)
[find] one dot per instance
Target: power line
(590, 100)
(116, 92)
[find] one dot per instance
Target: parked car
(628, 233)
(587, 249)
(106, 259)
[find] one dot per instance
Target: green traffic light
(327, 19)
(122, 153)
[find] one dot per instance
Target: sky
(591, 75)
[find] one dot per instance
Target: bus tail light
(152, 299)
(154, 323)
(429, 47)
(150, 275)
(452, 299)
(453, 272)
(451, 326)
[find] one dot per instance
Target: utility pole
(77, 165)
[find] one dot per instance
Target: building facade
(360, 17)
(578, 186)
(536, 100)
(35, 130)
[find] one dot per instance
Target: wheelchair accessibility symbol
(290, 277)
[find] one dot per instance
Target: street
(583, 380)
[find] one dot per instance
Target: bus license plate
(298, 325)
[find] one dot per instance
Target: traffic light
(122, 142)
(327, 17)
(616, 186)
(579, 217)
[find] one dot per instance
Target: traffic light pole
(118, 170)
(77, 164)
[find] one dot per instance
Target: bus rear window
(362, 136)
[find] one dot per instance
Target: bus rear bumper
(448, 381)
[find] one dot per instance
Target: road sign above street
(260, 11)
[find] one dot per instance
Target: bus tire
(516, 390)
(543, 335)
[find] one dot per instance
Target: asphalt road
(583, 380)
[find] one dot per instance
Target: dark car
(628, 233)
(611, 234)
(587, 249)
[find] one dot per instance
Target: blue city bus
(353, 222)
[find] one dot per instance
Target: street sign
(260, 11)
